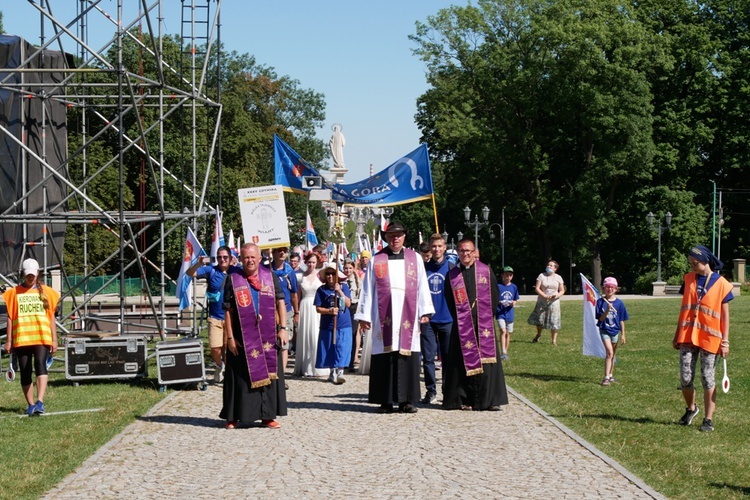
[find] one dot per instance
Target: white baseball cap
(30, 266)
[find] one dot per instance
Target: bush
(643, 283)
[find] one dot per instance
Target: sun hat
(328, 267)
(609, 281)
(30, 266)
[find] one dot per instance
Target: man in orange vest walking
(702, 330)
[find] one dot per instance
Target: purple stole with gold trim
(385, 306)
(258, 326)
(484, 351)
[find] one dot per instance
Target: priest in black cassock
(474, 378)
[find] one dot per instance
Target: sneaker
(689, 415)
(429, 398)
(707, 425)
(332, 377)
(606, 381)
(219, 373)
(503, 357)
(340, 379)
(30, 410)
(39, 408)
(612, 380)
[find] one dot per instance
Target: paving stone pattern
(333, 444)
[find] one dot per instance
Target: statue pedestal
(339, 174)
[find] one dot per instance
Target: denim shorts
(613, 338)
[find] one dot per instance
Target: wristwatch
(281, 328)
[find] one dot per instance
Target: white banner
(592, 341)
(263, 215)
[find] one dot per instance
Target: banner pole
(434, 211)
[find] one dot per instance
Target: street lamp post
(502, 237)
(476, 223)
(659, 230)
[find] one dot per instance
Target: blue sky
(355, 52)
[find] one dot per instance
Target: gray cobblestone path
(332, 444)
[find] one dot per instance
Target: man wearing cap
(31, 331)
(395, 300)
(436, 333)
(505, 313)
(474, 378)
(215, 275)
(288, 280)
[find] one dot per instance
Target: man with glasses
(216, 275)
(395, 299)
(288, 279)
(474, 378)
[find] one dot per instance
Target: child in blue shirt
(504, 314)
(611, 315)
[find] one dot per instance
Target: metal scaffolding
(110, 99)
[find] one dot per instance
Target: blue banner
(289, 167)
(407, 180)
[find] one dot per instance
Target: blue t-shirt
(288, 280)
(326, 297)
(506, 295)
(214, 289)
(611, 324)
(436, 276)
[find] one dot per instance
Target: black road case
(105, 358)
(180, 362)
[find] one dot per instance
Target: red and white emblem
(243, 298)
(460, 295)
(381, 269)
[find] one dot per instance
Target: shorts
(688, 358)
(504, 325)
(289, 329)
(612, 338)
(215, 333)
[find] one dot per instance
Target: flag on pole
(383, 226)
(592, 341)
(230, 244)
(312, 240)
(218, 238)
(193, 251)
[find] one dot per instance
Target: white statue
(337, 144)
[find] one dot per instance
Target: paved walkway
(332, 444)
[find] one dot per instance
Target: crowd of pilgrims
(392, 316)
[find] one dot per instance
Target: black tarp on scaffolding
(31, 115)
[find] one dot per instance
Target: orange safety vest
(700, 320)
(26, 313)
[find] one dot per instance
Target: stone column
(739, 270)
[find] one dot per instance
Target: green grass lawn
(635, 420)
(39, 452)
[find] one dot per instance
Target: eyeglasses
(222, 257)
(465, 250)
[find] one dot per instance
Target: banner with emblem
(592, 341)
(406, 180)
(263, 214)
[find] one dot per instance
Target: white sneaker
(340, 379)
(333, 377)
(219, 373)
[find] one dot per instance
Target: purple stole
(385, 306)
(258, 327)
(474, 353)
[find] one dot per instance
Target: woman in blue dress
(332, 301)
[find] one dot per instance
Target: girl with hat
(332, 301)
(611, 316)
(32, 332)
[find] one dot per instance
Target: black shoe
(689, 415)
(429, 398)
(707, 425)
(407, 408)
(494, 408)
(385, 409)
